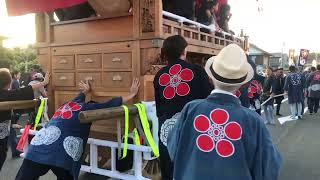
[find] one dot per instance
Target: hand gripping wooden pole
(8, 105)
(103, 114)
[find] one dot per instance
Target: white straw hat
(230, 67)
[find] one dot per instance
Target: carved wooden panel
(149, 58)
(147, 15)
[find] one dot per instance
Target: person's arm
(43, 92)
(208, 13)
(133, 91)
(286, 85)
(85, 88)
(304, 79)
(43, 83)
(308, 81)
(117, 101)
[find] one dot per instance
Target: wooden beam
(103, 114)
(8, 105)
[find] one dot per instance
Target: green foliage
(19, 59)
(4, 60)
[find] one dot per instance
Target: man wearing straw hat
(217, 138)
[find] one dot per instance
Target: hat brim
(248, 78)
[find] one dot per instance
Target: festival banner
(303, 58)
(291, 57)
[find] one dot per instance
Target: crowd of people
(35, 78)
(208, 12)
(297, 85)
(219, 132)
(210, 123)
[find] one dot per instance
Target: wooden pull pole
(103, 114)
(8, 105)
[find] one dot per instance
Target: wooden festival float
(109, 51)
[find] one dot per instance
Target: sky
(282, 24)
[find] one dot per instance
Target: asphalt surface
(298, 142)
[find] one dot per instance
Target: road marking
(282, 120)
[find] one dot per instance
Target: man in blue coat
(217, 138)
(59, 145)
(294, 87)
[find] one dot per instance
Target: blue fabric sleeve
(174, 135)
(267, 159)
(286, 84)
(308, 81)
(80, 98)
(117, 101)
(303, 81)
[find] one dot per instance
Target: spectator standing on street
(313, 85)
(279, 85)
(294, 87)
(268, 91)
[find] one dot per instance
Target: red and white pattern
(175, 81)
(254, 88)
(237, 93)
(65, 111)
(217, 133)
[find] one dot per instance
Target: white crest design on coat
(46, 136)
(167, 126)
(73, 147)
(4, 129)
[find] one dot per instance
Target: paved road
(298, 142)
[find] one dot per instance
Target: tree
(4, 60)
(23, 60)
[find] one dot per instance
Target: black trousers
(165, 163)
(30, 170)
(3, 151)
(278, 101)
(314, 105)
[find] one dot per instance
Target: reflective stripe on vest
(126, 131)
(39, 114)
(146, 129)
(136, 137)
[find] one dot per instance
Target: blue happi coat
(62, 141)
(294, 85)
(218, 139)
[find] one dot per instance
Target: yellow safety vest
(39, 114)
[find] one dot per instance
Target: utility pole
(281, 62)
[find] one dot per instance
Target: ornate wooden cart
(112, 49)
